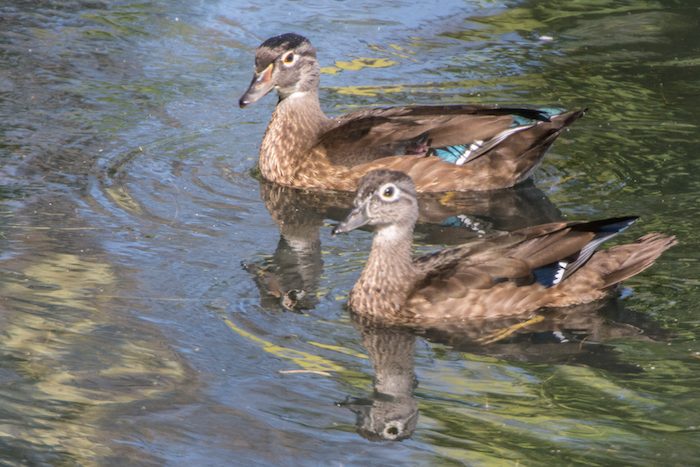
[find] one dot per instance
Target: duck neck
(293, 130)
(391, 351)
(389, 275)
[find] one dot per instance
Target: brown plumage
(546, 266)
(302, 147)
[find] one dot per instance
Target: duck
(289, 277)
(546, 266)
(460, 147)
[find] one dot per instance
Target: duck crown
(389, 186)
(286, 41)
(270, 50)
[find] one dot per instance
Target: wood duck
(546, 266)
(290, 276)
(442, 147)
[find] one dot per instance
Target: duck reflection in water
(290, 277)
(391, 412)
(571, 336)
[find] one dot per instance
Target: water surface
(145, 270)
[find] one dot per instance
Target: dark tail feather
(567, 118)
(571, 258)
(639, 256)
(612, 225)
(604, 230)
(556, 251)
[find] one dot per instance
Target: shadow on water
(131, 335)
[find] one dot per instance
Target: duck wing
(454, 133)
(546, 254)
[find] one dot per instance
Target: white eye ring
(289, 59)
(389, 192)
(393, 430)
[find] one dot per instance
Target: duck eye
(388, 192)
(289, 58)
(393, 430)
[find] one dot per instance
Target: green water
(143, 267)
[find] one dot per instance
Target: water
(145, 272)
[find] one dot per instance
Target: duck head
(385, 199)
(286, 63)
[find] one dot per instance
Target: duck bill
(259, 87)
(356, 219)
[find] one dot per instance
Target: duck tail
(624, 261)
(539, 138)
(567, 118)
(560, 252)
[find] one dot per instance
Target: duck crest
(286, 41)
